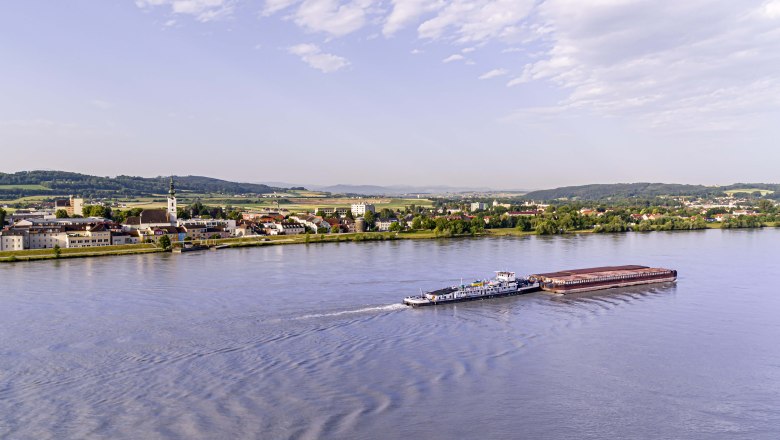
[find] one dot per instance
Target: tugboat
(504, 284)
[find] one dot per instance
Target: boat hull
(608, 285)
(422, 302)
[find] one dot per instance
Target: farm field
(30, 187)
(763, 192)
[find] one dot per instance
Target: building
(71, 206)
(65, 233)
(92, 235)
(172, 203)
(360, 209)
(330, 212)
(11, 240)
(383, 224)
(478, 206)
(222, 224)
(289, 228)
(149, 218)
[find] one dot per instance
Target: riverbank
(145, 248)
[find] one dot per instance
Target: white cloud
(453, 57)
(415, 51)
(771, 9)
(332, 16)
(273, 6)
(406, 11)
(477, 20)
(665, 63)
(202, 10)
(313, 56)
(495, 73)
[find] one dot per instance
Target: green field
(31, 187)
(763, 192)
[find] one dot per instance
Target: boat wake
(375, 309)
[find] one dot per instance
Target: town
(71, 223)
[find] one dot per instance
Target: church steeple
(172, 204)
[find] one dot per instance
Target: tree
(417, 223)
(2, 218)
(335, 229)
(61, 213)
(164, 242)
(57, 251)
(395, 227)
(369, 217)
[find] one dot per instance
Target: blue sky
(499, 93)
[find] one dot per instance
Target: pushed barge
(504, 284)
(597, 278)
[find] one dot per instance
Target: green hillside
(32, 183)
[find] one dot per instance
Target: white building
(172, 203)
(478, 206)
(360, 209)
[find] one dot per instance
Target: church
(155, 218)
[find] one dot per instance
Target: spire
(172, 192)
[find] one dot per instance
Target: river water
(311, 342)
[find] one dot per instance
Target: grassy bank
(48, 254)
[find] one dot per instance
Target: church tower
(172, 204)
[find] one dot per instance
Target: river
(311, 342)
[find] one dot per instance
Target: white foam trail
(377, 309)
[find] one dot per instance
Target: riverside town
(77, 223)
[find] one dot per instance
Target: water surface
(310, 341)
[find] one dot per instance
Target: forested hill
(623, 190)
(27, 183)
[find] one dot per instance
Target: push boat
(504, 284)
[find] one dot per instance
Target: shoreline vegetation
(256, 241)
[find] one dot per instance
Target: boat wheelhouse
(504, 284)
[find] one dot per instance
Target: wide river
(311, 342)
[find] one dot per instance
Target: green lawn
(88, 251)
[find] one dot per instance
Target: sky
(508, 94)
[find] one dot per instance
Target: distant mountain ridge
(26, 183)
(641, 190)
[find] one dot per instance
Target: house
(289, 228)
(246, 229)
(383, 224)
(125, 237)
(313, 222)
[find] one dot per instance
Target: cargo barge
(597, 278)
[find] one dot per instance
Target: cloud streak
(313, 56)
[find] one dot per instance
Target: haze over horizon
(506, 94)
